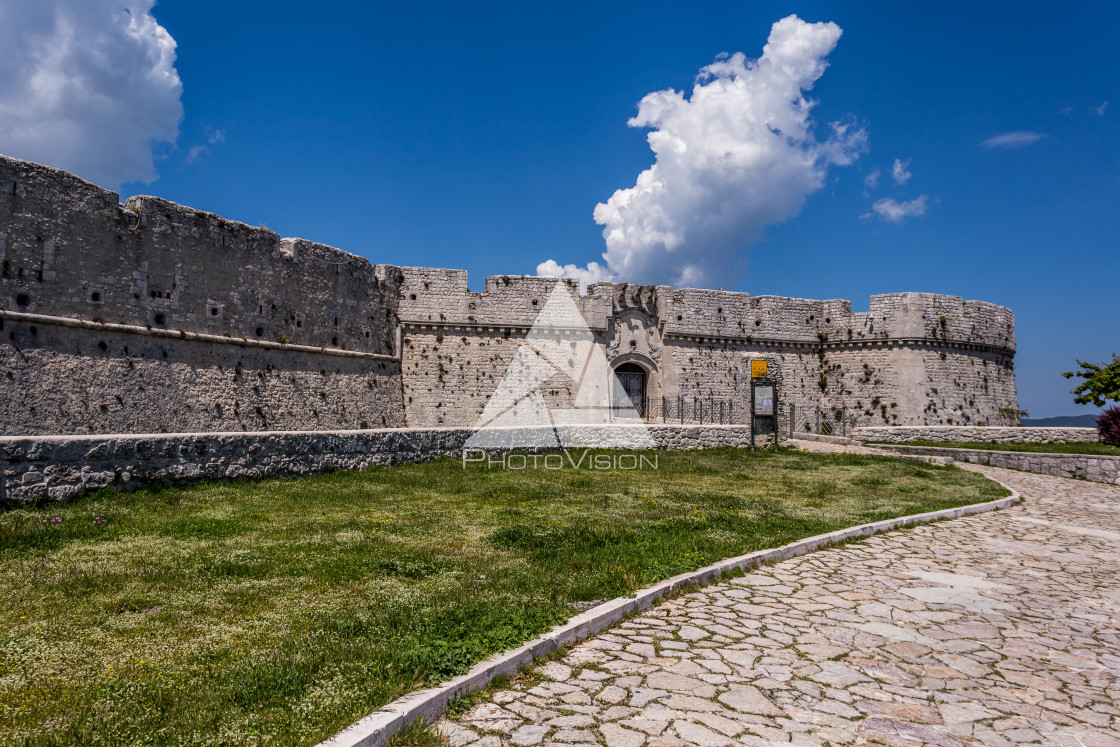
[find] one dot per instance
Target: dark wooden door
(633, 380)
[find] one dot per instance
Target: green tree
(1101, 384)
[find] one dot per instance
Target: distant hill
(1064, 421)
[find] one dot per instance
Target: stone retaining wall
(900, 434)
(60, 467)
(1082, 466)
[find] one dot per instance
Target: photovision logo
(559, 362)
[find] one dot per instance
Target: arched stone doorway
(632, 378)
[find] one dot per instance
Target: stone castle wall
(151, 317)
(912, 359)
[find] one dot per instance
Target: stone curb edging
(375, 729)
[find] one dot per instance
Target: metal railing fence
(695, 410)
(829, 421)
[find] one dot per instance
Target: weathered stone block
(112, 450)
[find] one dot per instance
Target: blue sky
(482, 136)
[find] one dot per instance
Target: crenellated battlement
(437, 296)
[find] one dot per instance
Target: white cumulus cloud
(89, 86)
(738, 155)
(1013, 139)
(871, 181)
(593, 273)
(197, 152)
(893, 211)
(900, 171)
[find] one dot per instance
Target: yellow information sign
(758, 369)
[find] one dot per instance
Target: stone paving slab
(998, 629)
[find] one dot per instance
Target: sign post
(764, 398)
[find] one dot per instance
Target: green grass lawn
(1058, 448)
(282, 610)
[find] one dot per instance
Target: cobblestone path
(997, 629)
